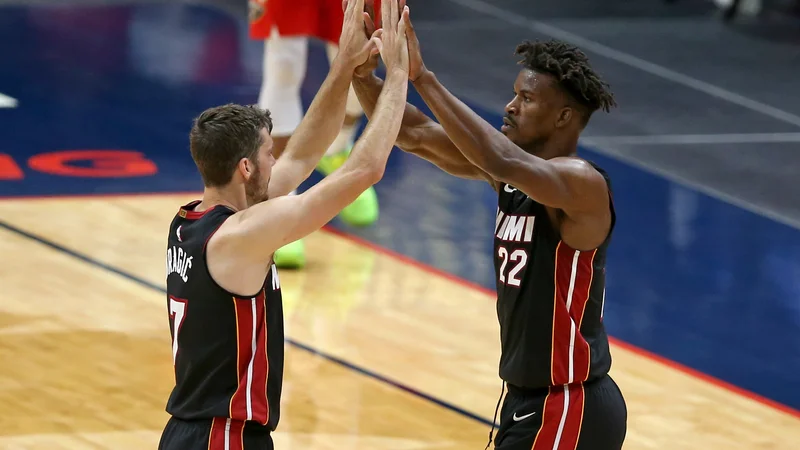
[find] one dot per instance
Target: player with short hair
(553, 227)
(223, 290)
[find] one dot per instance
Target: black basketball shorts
(217, 434)
(588, 416)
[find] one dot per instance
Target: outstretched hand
(393, 42)
(416, 67)
(370, 30)
(355, 46)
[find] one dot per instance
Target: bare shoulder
(584, 181)
(587, 223)
(577, 167)
(236, 258)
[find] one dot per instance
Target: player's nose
(511, 108)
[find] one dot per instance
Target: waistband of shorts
(527, 391)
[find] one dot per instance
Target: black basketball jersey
(549, 298)
(227, 348)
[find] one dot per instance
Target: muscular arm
(569, 184)
(419, 134)
(314, 135)
(248, 239)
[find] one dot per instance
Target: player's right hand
(355, 47)
(416, 65)
(394, 44)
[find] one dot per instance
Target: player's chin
(510, 132)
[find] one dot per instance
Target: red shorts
(312, 18)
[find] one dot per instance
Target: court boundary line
(297, 344)
(615, 341)
(8, 102)
(399, 257)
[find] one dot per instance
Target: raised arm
(267, 226)
(419, 134)
(255, 233)
(568, 184)
(324, 117)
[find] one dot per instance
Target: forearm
(368, 90)
(323, 120)
(473, 136)
(373, 147)
(363, 168)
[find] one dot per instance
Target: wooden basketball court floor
(371, 364)
(382, 352)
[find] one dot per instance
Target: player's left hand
(370, 29)
(355, 46)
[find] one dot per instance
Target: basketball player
(286, 26)
(554, 221)
(224, 295)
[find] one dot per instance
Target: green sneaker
(291, 255)
(364, 210)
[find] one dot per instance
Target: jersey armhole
(211, 277)
(613, 213)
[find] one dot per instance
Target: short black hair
(571, 68)
(221, 136)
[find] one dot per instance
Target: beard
(255, 189)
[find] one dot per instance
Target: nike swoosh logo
(517, 419)
(509, 189)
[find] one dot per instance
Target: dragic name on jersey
(179, 262)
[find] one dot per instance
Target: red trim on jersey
(260, 363)
(187, 212)
(225, 429)
(563, 410)
(249, 402)
(570, 357)
(583, 286)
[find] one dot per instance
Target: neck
(565, 144)
(230, 195)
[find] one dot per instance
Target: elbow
(409, 140)
(374, 175)
(365, 177)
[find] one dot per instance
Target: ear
(564, 117)
(245, 168)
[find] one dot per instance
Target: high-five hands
(355, 46)
(416, 66)
(370, 28)
(394, 44)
